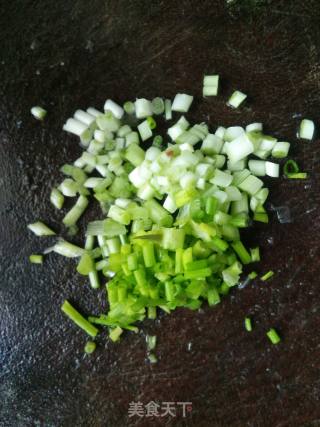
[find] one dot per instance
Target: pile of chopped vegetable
(172, 211)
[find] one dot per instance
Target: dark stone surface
(72, 54)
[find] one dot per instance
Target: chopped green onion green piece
(242, 252)
(115, 333)
(86, 264)
(273, 336)
(182, 102)
(90, 347)
(253, 275)
(290, 167)
(255, 254)
(267, 276)
(248, 324)
(299, 175)
(36, 259)
(78, 319)
(151, 122)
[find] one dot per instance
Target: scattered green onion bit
(40, 229)
(78, 319)
(248, 324)
(115, 333)
(253, 275)
(38, 113)
(56, 198)
(299, 175)
(129, 107)
(151, 342)
(236, 99)
(292, 171)
(210, 85)
(290, 167)
(267, 276)
(273, 336)
(152, 358)
(90, 347)
(36, 259)
(306, 129)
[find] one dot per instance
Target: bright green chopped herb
(78, 319)
(115, 333)
(255, 254)
(253, 275)
(90, 347)
(36, 259)
(273, 336)
(248, 324)
(267, 276)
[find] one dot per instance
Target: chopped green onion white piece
(306, 129)
(236, 99)
(115, 109)
(157, 105)
(79, 129)
(257, 167)
(280, 150)
(272, 169)
(84, 117)
(254, 127)
(210, 85)
(56, 198)
(38, 113)
(143, 108)
(67, 249)
(182, 102)
(94, 112)
(145, 130)
(40, 229)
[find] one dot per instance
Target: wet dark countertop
(66, 55)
